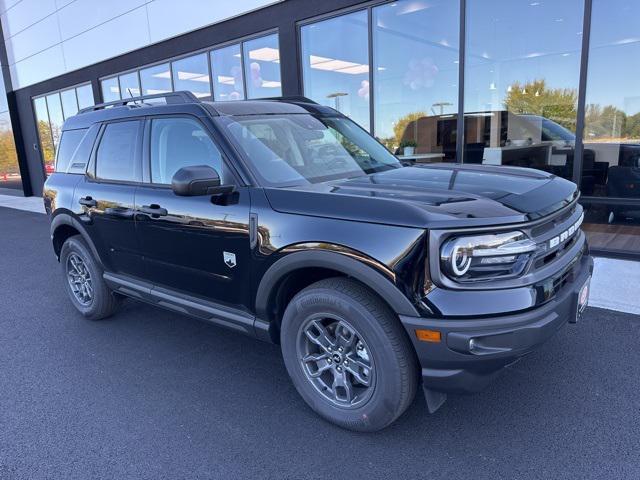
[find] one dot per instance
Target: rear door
(106, 196)
(198, 245)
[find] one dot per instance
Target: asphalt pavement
(150, 394)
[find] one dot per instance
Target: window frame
(218, 141)
(92, 165)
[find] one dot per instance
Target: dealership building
(547, 84)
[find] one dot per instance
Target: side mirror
(198, 180)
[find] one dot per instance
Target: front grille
(550, 236)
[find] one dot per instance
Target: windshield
(298, 149)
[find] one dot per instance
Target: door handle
(87, 202)
(119, 212)
(154, 210)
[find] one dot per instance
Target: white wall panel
(168, 18)
(43, 65)
(6, 4)
(34, 39)
(25, 14)
(83, 15)
(46, 38)
(122, 34)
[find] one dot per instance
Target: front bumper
(450, 365)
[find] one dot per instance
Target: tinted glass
(80, 158)
(611, 158)
(129, 85)
(416, 78)
(69, 103)
(178, 143)
(156, 79)
(56, 118)
(262, 67)
(303, 149)
(9, 171)
(335, 63)
(68, 144)
(47, 150)
(115, 159)
(85, 96)
(521, 83)
(110, 89)
(226, 68)
(192, 74)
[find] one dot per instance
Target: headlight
(484, 257)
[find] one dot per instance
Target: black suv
(284, 220)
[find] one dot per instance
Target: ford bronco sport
(286, 221)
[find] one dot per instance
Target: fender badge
(229, 259)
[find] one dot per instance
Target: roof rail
(171, 97)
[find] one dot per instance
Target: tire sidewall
(381, 408)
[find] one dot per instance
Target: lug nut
(340, 349)
(329, 360)
(346, 362)
(339, 369)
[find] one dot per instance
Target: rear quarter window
(68, 144)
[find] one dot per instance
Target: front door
(197, 245)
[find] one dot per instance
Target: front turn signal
(428, 335)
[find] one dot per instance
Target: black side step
(178, 302)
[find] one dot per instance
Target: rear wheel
(83, 281)
(347, 355)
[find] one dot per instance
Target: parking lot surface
(151, 394)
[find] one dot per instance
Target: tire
(103, 302)
(381, 354)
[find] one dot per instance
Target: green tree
(8, 156)
(557, 104)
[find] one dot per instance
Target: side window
(80, 158)
(68, 145)
(178, 143)
(116, 155)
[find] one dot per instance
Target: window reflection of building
(612, 126)
(50, 113)
(521, 83)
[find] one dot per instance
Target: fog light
(472, 344)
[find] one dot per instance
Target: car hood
(433, 196)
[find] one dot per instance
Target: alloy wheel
(336, 361)
(79, 279)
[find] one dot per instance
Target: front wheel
(347, 355)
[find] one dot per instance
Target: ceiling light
(265, 54)
(271, 84)
(196, 77)
(165, 74)
(226, 80)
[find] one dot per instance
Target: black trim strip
(210, 312)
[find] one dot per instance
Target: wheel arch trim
(332, 260)
(66, 219)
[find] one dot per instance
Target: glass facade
(415, 78)
(9, 169)
(497, 82)
(225, 71)
(50, 113)
(335, 64)
(47, 38)
(262, 67)
(611, 155)
(226, 68)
